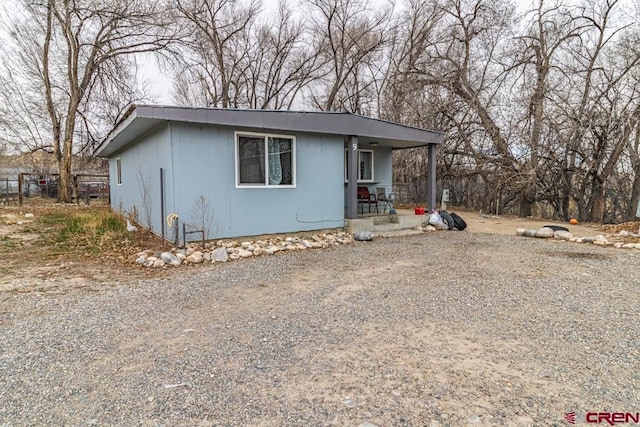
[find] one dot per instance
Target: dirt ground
(491, 224)
(27, 264)
(30, 261)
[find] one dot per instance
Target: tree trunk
(566, 204)
(526, 204)
(567, 187)
(64, 166)
(635, 196)
(597, 204)
(635, 163)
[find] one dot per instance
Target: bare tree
(634, 156)
(405, 93)
(215, 51)
(543, 116)
(589, 111)
(281, 63)
(450, 73)
(201, 215)
(348, 36)
(65, 55)
(551, 27)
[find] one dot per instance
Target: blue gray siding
(204, 164)
(199, 160)
(141, 164)
(382, 169)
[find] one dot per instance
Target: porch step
(380, 228)
(386, 219)
(386, 223)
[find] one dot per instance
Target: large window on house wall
(264, 160)
(365, 166)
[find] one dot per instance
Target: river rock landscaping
(226, 250)
(620, 240)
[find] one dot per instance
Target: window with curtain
(265, 160)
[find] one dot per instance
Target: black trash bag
(446, 216)
(458, 221)
(557, 228)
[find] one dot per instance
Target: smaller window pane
(251, 160)
(366, 165)
(118, 171)
(346, 165)
(280, 161)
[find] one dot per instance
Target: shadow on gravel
(577, 255)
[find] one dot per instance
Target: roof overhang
(370, 132)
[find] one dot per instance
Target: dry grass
(630, 226)
(85, 230)
(88, 238)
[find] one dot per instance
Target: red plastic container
(419, 211)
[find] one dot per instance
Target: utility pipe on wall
(162, 205)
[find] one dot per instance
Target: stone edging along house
(260, 171)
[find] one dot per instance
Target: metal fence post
(20, 178)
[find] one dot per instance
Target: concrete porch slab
(386, 223)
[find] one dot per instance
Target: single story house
(259, 171)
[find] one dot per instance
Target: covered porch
(369, 158)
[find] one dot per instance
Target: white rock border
(226, 250)
(598, 240)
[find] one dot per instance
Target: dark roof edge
(328, 122)
(316, 112)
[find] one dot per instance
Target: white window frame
(373, 166)
(265, 137)
(119, 171)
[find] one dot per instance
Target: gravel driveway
(430, 330)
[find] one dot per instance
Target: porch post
(431, 178)
(352, 173)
